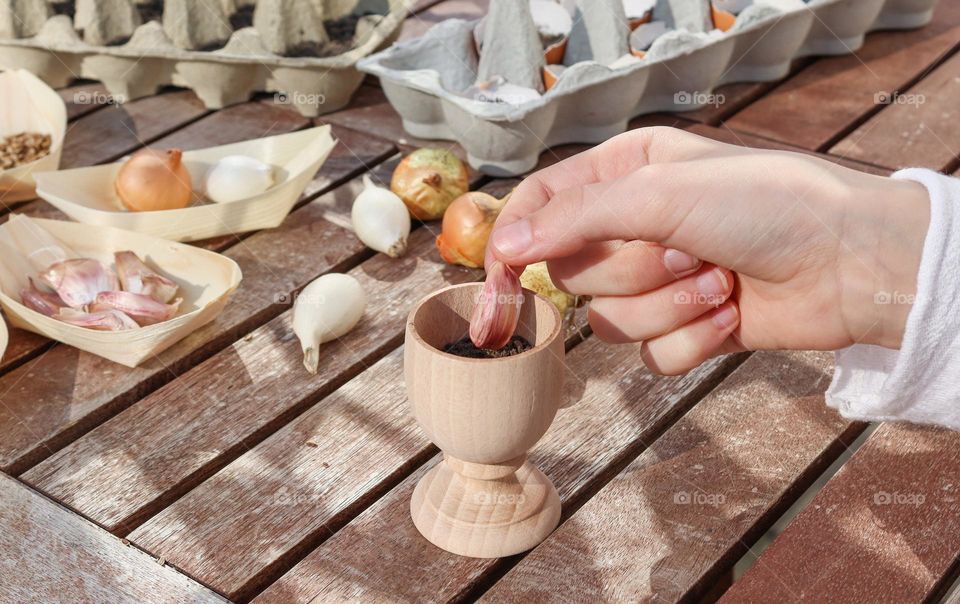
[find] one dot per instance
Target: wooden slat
(231, 398)
(380, 556)
(830, 96)
(371, 112)
(683, 512)
(886, 528)
(116, 130)
(724, 134)
(82, 99)
(52, 555)
(922, 131)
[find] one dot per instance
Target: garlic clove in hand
(45, 303)
(381, 220)
(79, 280)
(142, 309)
(138, 278)
(325, 310)
(497, 312)
(237, 177)
(102, 320)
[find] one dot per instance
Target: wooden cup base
(506, 512)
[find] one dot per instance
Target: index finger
(609, 160)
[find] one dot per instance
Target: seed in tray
(23, 148)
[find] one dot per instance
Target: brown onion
(428, 180)
(466, 228)
(154, 180)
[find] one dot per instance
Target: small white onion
(381, 219)
(327, 309)
(237, 177)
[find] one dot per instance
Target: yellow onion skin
(154, 180)
(428, 180)
(466, 228)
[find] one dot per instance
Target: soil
(465, 348)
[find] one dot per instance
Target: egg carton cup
(206, 280)
(88, 195)
(29, 105)
(590, 102)
(150, 59)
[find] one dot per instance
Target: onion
(154, 180)
(466, 228)
(427, 181)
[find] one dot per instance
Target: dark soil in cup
(465, 348)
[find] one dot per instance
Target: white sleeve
(921, 381)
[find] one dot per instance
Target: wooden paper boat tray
(29, 105)
(425, 78)
(88, 195)
(134, 56)
(206, 281)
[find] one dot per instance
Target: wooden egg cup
(484, 499)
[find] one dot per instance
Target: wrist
(888, 229)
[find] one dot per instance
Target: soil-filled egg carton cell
(224, 50)
(532, 74)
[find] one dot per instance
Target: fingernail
(680, 263)
(513, 239)
(726, 316)
(713, 283)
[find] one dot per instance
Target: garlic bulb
(325, 310)
(381, 220)
(237, 177)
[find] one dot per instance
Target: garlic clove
(103, 320)
(327, 309)
(142, 309)
(79, 280)
(237, 177)
(45, 303)
(381, 220)
(497, 312)
(138, 278)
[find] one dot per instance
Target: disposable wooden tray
(29, 105)
(206, 280)
(88, 195)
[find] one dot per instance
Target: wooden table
(220, 469)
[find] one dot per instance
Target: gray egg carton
(428, 79)
(224, 50)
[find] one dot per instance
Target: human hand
(699, 248)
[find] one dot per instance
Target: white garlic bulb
(237, 177)
(381, 220)
(326, 309)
